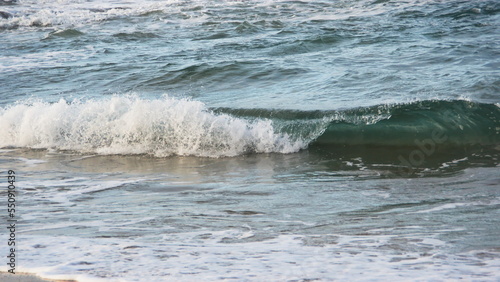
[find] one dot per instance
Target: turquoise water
(253, 140)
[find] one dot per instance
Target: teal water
(253, 140)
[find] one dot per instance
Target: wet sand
(28, 277)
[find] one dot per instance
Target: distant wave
(169, 126)
(69, 13)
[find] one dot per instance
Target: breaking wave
(130, 125)
(171, 126)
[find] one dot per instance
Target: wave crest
(130, 125)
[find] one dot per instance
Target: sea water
(251, 140)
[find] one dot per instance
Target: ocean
(349, 140)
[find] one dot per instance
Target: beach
(27, 277)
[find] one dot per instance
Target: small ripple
(135, 36)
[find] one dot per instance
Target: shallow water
(251, 141)
(277, 217)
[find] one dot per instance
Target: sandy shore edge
(28, 277)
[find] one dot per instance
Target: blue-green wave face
(443, 123)
(455, 123)
(408, 139)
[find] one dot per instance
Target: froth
(131, 125)
(43, 13)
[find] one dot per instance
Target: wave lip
(130, 125)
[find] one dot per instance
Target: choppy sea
(349, 140)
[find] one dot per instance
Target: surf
(171, 126)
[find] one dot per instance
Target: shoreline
(28, 277)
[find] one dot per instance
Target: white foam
(453, 162)
(203, 256)
(130, 125)
(31, 162)
(71, 13)
(77, 13)
(74, 188)
(491, 202)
